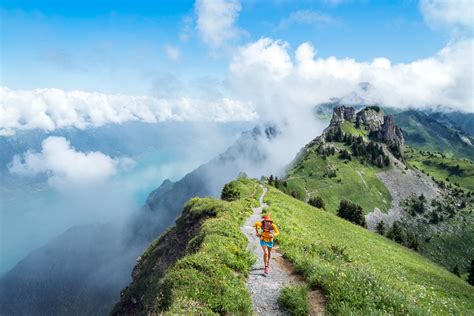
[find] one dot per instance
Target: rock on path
(265, 288)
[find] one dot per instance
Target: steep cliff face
(392, 135)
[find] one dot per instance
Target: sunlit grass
(362, 272)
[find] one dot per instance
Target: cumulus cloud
(50, 109)
(62, 163)
(448, 13)
(216, 20)
(306, 17)
(268, 71)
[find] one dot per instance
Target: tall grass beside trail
(295, 299)
(363, 273)
(210, 278)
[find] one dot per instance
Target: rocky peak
(391, 135)
(341, 114)
(372, 117)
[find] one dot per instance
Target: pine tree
(381, 228)
(351, 212)
(456, 271)
(317, 202)
(470, 278)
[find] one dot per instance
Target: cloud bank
(276, 80)
(216, 20)
(62, 163)
(50, 109)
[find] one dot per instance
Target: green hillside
(423, 131)
(354, 180)
(332, 171)
(200, 265)
(360, 271)
(459, 172)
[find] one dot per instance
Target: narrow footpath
(265, 288)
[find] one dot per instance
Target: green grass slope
(354, 180)
(319, 172)
(425, 132)
(362, 272)
(442, 167)
(209, 275)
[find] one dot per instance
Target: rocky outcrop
(391, 135)
(372, 117)
(341, 114)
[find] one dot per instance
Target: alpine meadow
(237, 157)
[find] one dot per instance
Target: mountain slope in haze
(360, 271)
(79, 272)
(461, 121)
(352, 161)
(46, 295)
(166, 202)
(429, 132)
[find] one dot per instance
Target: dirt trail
(265, 288)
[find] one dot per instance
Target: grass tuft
(295, 299)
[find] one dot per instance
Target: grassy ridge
(209, 277)
(361, 272)
(354, 180)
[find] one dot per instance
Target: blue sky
(119, 46)
(227, 60)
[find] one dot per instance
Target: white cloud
(306, 17)
(173, 53)
(448, 13)
(279, 84)
(216, 20)
(63, 164)
(50, 109)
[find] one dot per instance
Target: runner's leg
(265, 254)
(269, 256)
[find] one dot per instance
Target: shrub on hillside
(351, 212)
(230, 192)
(317, 202)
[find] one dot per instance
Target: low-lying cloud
(63, 164)
(267, 73)
(50, 109)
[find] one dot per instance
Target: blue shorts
(269, 244)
